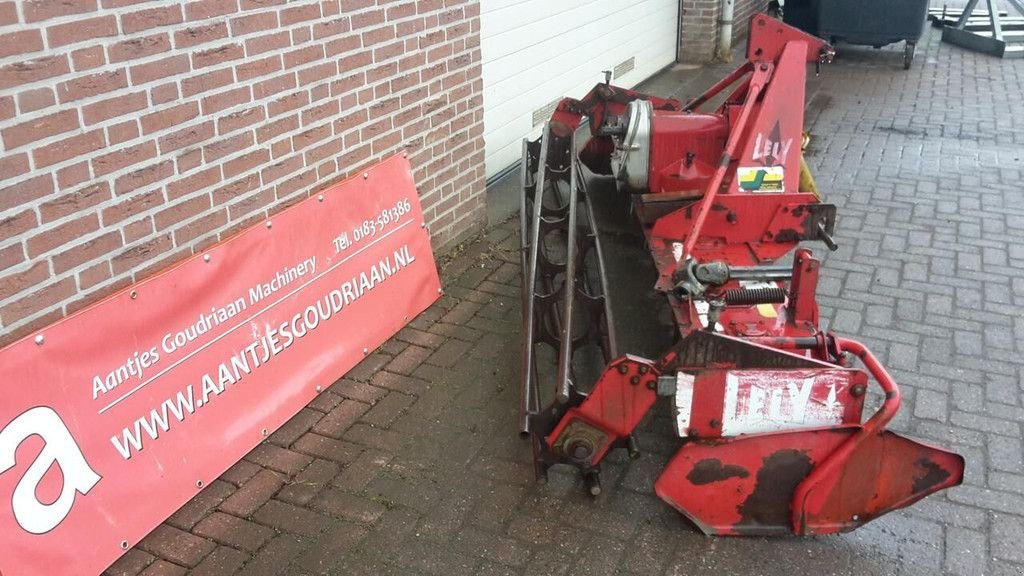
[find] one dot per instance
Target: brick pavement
(410, 463)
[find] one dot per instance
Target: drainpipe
(725, 30)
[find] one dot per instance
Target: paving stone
(341, 504)
(164, 568)
(240, 472)
(378, 438)
(1007, 534)
(456, 331)
(176, 545)
(430, 559)
(966, 550)
(308, 483)
(202, 504)
(420, 337)
(276, 458)
(1004, 454)
(221, 562)
(285, 517)
(402, 383)
(931, 405)
(295, 427)
(357, 391)
(254, 493)
(330, 548)
(449, 353)
(131, 563)
(326, 401)
(408, 360)
(358, 473)
(338, 420)
(493, 547)
(274, 558)
(369, 366)
(233, 531)
(327, 448)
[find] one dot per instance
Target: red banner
(118, 415)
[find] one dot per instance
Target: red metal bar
(875, 425)
(881, 375)
(718, 87)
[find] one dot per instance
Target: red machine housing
(684, 150)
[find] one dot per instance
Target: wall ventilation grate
(544, 112)
(624, 67)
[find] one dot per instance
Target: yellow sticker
(764, 179)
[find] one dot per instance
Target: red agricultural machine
(766, 405)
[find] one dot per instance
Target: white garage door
(536, 51)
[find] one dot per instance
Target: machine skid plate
(746, 485)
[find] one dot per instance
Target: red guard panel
(116, 416)
(746, 485)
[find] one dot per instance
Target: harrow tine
(530, 242)
(568, 288)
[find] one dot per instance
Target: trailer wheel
(908, 54)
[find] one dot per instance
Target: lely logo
(60, 450)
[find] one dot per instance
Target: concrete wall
(135, 133)
(698, 30)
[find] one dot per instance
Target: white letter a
(60, 449)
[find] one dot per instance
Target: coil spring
(752, 296)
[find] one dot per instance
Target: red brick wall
(135, 133)
(698, 30)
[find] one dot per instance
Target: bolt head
(320, 198)
(319, 389)
(366, 351)
(366, 175)
(206, 257)
(39, 339)
(269, 223)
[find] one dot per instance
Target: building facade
(135, 133)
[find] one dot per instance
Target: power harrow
(767, 406)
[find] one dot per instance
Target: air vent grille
(625, 67)
(544, 112)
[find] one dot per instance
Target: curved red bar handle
(881, 375)
(873, 426)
